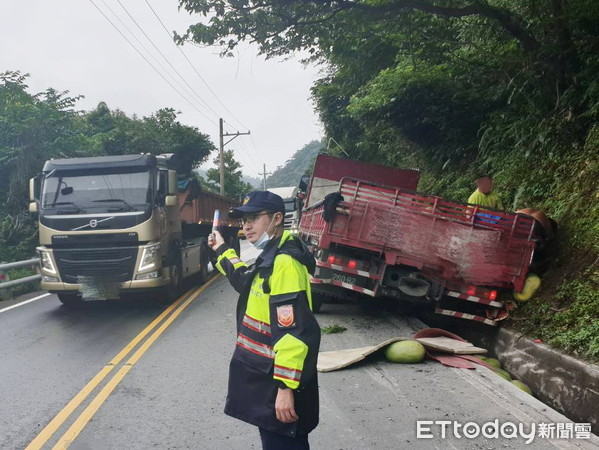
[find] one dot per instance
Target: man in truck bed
(484, 195)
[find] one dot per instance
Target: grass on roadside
(571, 320)
(331, 329)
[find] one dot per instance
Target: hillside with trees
(294, 168)
(460, 88)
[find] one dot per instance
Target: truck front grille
(116, 263)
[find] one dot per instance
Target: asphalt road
(110, 376)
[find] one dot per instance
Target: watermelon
(405, 352)
(493, 362)
(522, 386)
(531, 285)
(503, 374)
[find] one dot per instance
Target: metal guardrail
(16, 265)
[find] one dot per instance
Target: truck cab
(112, 224)
(293, 206)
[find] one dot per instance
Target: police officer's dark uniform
(277, 335)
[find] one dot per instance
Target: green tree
(33, 128)
(235, 187)
(155, 134)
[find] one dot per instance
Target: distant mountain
(294, 168)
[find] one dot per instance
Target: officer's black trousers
(274, 441)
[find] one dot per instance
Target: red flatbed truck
(373, 234)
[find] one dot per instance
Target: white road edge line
(25, 302)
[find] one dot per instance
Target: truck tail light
(331, 259)
(482, 292)
(352, 264)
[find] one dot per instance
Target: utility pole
(222, 135)
(264, 177)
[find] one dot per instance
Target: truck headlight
(49, 279)
(46, 261)
(148, 257)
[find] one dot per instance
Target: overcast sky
(69, 45)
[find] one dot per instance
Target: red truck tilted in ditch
(372, 233)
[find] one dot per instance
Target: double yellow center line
(69, 436)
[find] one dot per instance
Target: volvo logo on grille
(92, 223)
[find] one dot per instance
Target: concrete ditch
(567, 384)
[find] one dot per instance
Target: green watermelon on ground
(406, 352)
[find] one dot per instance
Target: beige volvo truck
(113, 225)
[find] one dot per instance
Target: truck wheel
(69, 299)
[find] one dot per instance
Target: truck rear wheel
(70, 299)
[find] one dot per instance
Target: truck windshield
(75, 192)
(290, 205)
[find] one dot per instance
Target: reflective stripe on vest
(255, 347)
(287, 373)
(256, 325)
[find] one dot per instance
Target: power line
(247, 156)
(256, 149)
(144, 47)
(148, 61)
(193, 67)
(198, 96)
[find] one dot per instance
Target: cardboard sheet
(339, 359)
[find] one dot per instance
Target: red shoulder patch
(285, 316)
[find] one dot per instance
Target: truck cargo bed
(455, 242)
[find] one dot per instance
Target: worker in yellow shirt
(484, 195)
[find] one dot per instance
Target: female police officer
(272, 375)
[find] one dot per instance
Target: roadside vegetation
(459, 89)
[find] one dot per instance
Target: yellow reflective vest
(277, 335)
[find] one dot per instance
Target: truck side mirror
(171, 200)
(172, 182)
(304, 183)
(34, 185)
